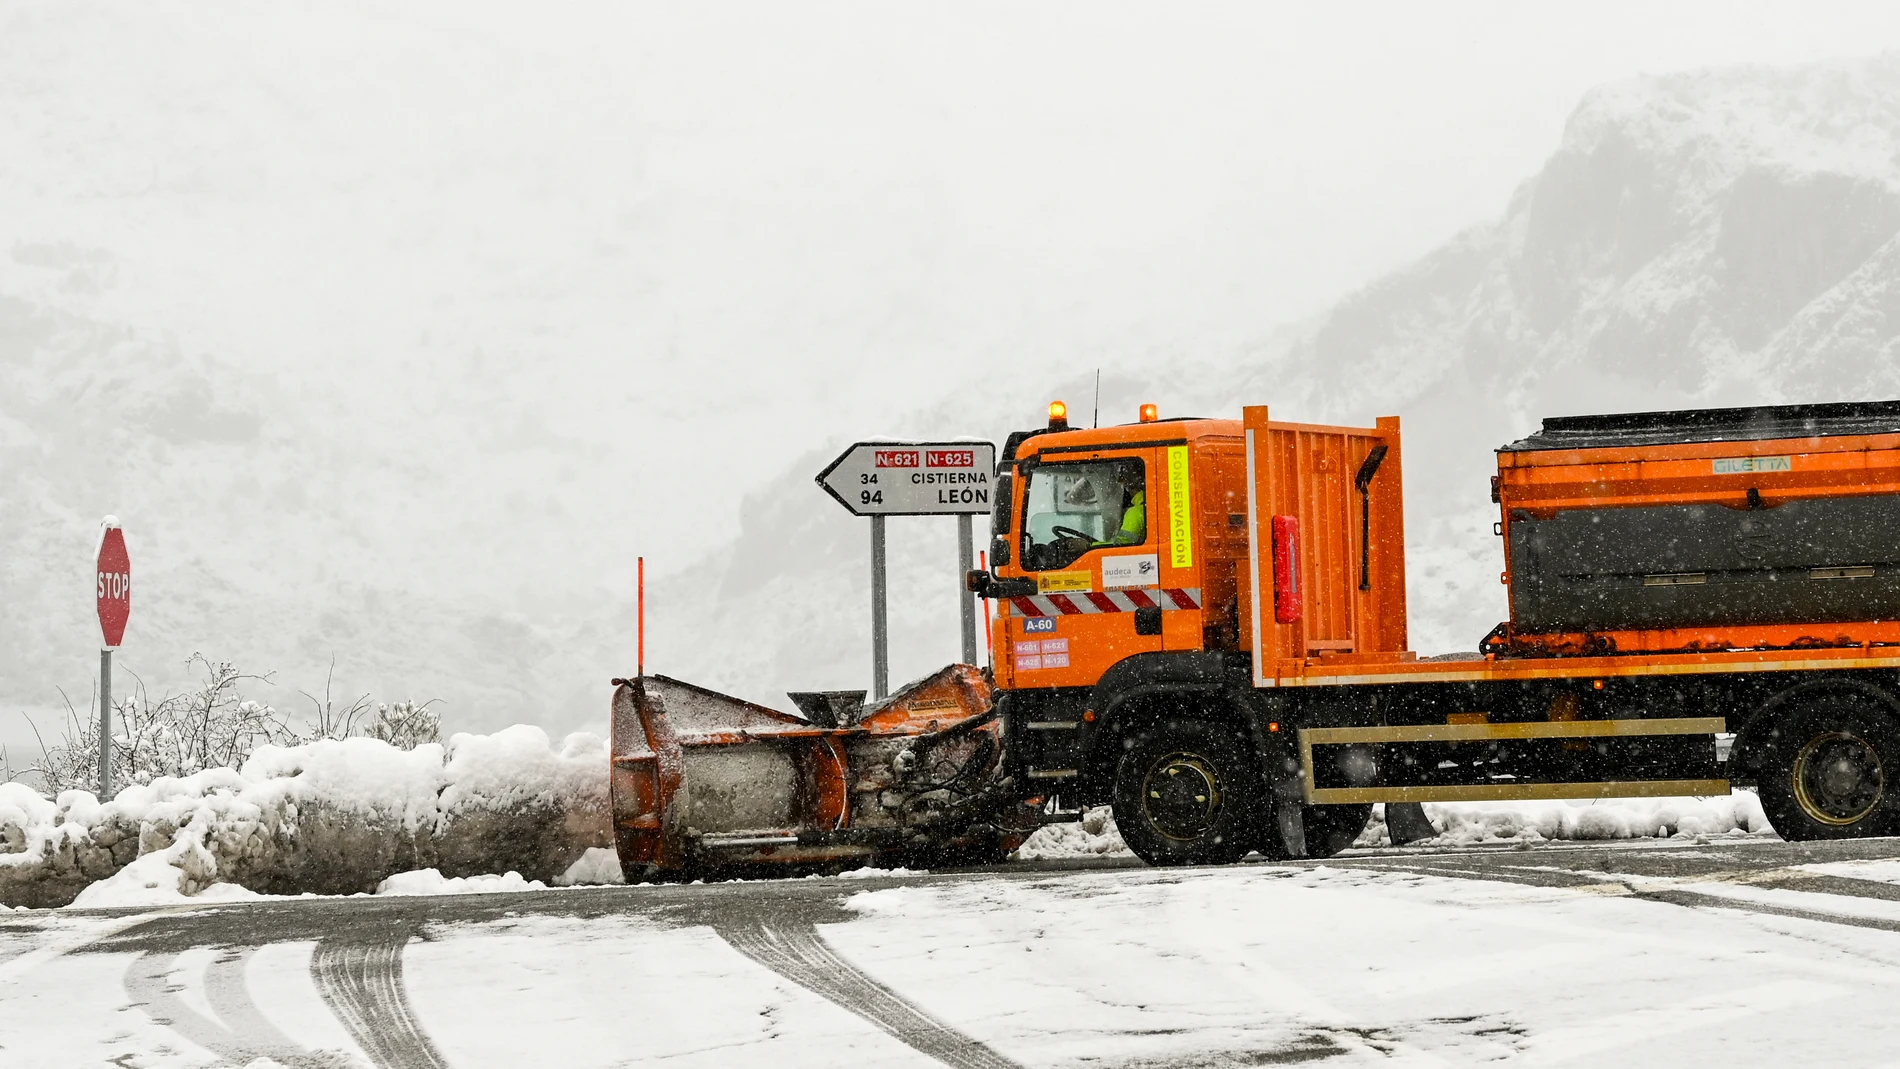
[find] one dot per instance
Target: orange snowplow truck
(1203, 623)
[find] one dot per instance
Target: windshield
(1069, 509)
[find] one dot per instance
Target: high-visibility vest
(1134, 529)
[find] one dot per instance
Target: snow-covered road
(1677, 954)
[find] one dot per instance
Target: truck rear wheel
(1188, 792)
(1829, 771)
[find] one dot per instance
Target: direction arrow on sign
(114, 584)
(913, 478)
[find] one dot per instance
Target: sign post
(879, 479)
(113, 591)
(880, 616)
(966, 552)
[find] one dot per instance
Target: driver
(1086, 496)
(1134, 528)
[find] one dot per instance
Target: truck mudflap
(703, 781)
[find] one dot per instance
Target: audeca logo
(1141, 569)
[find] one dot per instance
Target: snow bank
(1468, 823)
(598, 865)
(1092, 836)
(432, 882)
(331, 817)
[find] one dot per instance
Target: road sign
(913, 478)
(113, 585)
(879, 479)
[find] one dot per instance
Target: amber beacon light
(1058, 416)
(1149, 413)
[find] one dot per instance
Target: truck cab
(1116, 542)
(1127, 591)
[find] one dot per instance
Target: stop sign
(114, 584)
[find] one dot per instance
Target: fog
(419, 324)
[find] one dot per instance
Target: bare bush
(406, 725)
(210, 726)
(327, 721)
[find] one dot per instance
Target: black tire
(1329, 829)
(1829, 770)
(1188, 792)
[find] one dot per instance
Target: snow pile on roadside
(1092, 836)
(1467, 823)
(330, 817)
(872, 872)
(597, 865)
(432, 882)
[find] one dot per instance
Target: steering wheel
(1070, 532)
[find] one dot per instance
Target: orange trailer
(1714, 530)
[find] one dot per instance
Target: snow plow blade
(702, 781)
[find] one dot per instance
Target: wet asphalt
(357, 962)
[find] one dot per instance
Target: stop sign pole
(113, 590)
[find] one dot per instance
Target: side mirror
(999, 550)
(976, 581)
(1001, 589)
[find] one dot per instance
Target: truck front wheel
(1829, 770)
(1188, 792)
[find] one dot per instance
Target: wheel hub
(1182, 796)
(1838, 778)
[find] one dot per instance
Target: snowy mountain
(1711, 238)
(394, 335)
(1722, 237)
(244, 521)
(1719, 237)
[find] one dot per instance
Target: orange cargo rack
(1337, 494)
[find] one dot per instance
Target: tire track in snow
(798, 953)
(1680, 891)
(230, 999)
(1708, 900)
(241, 1037)
(67, 941)
(359, 974)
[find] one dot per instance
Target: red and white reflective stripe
(1094, 601)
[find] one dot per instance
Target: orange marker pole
(983, 562)
(641, 662)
